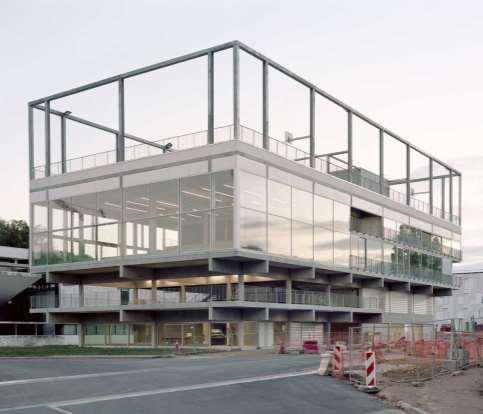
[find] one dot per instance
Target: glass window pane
(323, 212)
(253, 228)
(195, 231)
(40, 217)
(109, 208)
(84, 210)
(341, 249)
(39, 253)
(279, 199)
(169, 334)
(279, 235)
(223, 228)
(140, 334)
(107, 241)
(302, 206)
(373, 249)
(137, 237)
(164, 197)
(253, 192)
(61, 247)
(342, 215)
(136, 202)
(61, 215)
(302, 240)
(223, 189)
(166, 233)
(324, 245)
(196, 193)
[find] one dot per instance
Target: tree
(14, 233)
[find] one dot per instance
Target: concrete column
(81, 334)
(81, 294)
(154, 338)
(228, 291)
(136, 296)
(241, 334)
(182, 294)
(154, 291)
(241, 287)
(329, 295)
(288, 291)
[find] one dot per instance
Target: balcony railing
(207, 293)
(327, 164)
(400, 270)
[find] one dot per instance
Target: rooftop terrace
(232, 92)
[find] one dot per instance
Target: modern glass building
(287, 215)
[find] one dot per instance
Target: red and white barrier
(370, 357)
(338, 361)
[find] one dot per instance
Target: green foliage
(14, 233)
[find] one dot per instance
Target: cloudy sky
(414, 66)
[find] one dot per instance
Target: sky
(413, 66)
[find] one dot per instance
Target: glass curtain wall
(187, 214)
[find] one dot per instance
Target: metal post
(211, 104)
(47, 138)
(381, 161)
(31, 142)
(408, 175)
(266, 139)
(236, 91)
(349, 144)
(450, 195)
(120, 141)
(443, 198)
(431, 201)
(312, 128)
(63, 144)
(460, 193)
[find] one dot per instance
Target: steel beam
(312, 129)
(120, 141)
(236, 91)
(47, 138)
(31, 142)
(211, 99)
(265, 114)
(101, 127)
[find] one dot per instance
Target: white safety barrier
(325, 363)
(371, 381)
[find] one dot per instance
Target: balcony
(205, 294)
(400, 270)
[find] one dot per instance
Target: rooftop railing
(327, 164)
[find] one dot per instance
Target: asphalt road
(235, 383)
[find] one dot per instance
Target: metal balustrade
(307, 297)
(402, 270)
(327, 164)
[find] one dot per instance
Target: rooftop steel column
(211, 104)
(450, 195)
(312, 128)
(63, 144)
(120, 140)
(266, 139)
(349, 144)
(408, 175)
(31, 142)
(431, 201)
(381, 161)
(236, 91)
(47, 138)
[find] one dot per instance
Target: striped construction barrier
(338, 361)
(370, 359)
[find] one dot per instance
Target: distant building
(14, 280)
(466, 302)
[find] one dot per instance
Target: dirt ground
(444, 395)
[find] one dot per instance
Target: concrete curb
(409, 408)
(92, 356)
